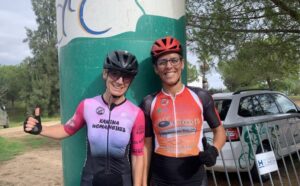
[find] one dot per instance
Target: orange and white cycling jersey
(176, 122)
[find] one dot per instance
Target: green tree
(261, 63)
(26, 78)
(192, 73)
(220, 28)
(43, 66)
(12, 79)
(3, 90)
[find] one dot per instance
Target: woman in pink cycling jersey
(113, 125)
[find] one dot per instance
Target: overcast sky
(15, 15)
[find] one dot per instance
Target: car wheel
(254, 171)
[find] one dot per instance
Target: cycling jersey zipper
(175, 124)
(107, 171)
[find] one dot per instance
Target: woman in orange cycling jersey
(174, 124)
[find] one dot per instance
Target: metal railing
(236, 163)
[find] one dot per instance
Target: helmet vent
(117, 55)
(121, 60)
(165, 45)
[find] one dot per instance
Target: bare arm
(137, 170)
(55, 132)
(219, 137)
(147, 159)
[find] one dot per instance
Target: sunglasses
(115, 75)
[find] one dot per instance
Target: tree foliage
(12, 80)
(221, 28)
(261, 63)
(43, 66)
(192, 73)
(3, 88)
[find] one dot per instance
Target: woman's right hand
(33, 125)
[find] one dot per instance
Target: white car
(256, 121)
(3, 117)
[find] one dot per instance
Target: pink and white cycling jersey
(110, 131)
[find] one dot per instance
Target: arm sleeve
(138, 134)
(146, 107)
(209, 111)
(77, 121)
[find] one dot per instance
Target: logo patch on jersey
(162, 110)
(164, 124)
(164, 101)
(159, 110)
(100, 110)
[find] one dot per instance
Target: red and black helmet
(165, 45)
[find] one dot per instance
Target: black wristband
(37, 128)
(215, 151)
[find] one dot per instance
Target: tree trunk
(270, 84)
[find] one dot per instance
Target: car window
(222, 107)
(249, 107)
(285, 104)
(257, 105)
(268, 104)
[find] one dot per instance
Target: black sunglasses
(115, 75)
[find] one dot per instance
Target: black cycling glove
(209, 156)
(38, 127)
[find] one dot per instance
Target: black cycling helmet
(121, 60)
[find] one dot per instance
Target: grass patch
(54, 118)
(34, 142)
(11, 147)
(17, 116)
(295, 98)
(19, 122)
(18, 113)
